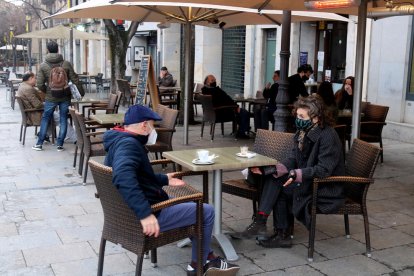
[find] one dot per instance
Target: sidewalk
(50, 224)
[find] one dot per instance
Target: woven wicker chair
(27, 123)
(91, 146)
(121, 225)
(374, 122)
(210, 115)
(273, 144)
(165, 130)
(359, 168)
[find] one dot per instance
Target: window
(410, 86)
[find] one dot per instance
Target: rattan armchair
(121, 225)
(360, 165)
(92, 144)
(212, 116)
(165, 130)
(273, 144)
(373, 123)
(27, 122)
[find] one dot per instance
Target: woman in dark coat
(317, 153)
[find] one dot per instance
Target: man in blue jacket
(140, 187)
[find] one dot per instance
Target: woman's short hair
(314, 103)
(27, 76)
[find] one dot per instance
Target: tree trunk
(119, 41)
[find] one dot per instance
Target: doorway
(270, 58)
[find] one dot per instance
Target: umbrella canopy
(292, 5)
(10, 47)
(185, 13)
(62, 32)
(200, 14)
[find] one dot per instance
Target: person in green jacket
(54, 59)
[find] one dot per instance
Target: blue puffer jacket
(132, 172)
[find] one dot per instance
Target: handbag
(75, 92)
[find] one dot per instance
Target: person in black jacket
(140, 187)
(220, 98)
(296, 83)
(264, 114)
(317, 153)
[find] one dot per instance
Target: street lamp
(12, 28)
(29, 42)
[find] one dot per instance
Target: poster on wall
(328, 75)
(139, 51)
(303, 58)
(128, 56)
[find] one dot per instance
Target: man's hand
(255, 170)
(150, 226)
(162, 74)
(268, 85)
(175, 182)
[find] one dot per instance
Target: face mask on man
(213, 84)
(152, 137)
(302, 124)
(304, 78)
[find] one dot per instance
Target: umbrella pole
(359, 68)
(282, 113)
(71, 44)
(187, 69)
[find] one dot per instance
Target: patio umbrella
(188, 14)
(10, 47)
(62, 32)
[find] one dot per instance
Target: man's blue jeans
(185, 214)
(48, 115)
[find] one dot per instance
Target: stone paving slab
(50, 223)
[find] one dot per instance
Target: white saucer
(247, 155)
(198, 162)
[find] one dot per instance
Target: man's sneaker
(47, 139)
(60, 148)
(219, 266)
(37, 147)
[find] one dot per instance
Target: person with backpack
(52, 79)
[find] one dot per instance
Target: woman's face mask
(152, 137)
(302, 124)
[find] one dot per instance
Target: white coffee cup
(244, 150)
(203, 155)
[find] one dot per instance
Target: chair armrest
(373, 123)
(164, 129)
(33, 109)
(225, 107)
(89, 134)
(342, 179)
(186, 194)
(161, 162)
(98, 108)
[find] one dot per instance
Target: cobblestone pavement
(50, 223)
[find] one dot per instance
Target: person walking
(53, 61)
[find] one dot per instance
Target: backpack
(58, 81)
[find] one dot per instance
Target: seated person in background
(263, 115)
(165, 79)
(220, 98)
(325, 91)
(140, 187)
(344, 97)
(296, 83)
(317, 153)
(31, 98)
